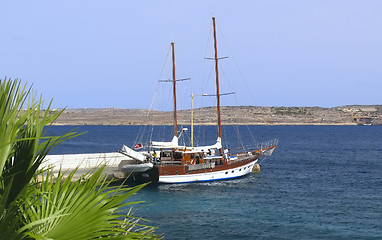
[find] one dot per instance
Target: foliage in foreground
(88, 208)
(35, 204)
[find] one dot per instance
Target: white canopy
(217, 145)
(172, 144)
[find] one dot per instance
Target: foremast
(174, 141)
(174, 89)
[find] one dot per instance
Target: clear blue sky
(94, 54)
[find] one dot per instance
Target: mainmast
(217, 83)
(174, 88)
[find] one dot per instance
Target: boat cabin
(187, 157)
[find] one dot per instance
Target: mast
(174, 88)
(217, 84)
(192, 120)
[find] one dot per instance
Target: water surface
(323, 182)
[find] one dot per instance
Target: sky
(97, 54)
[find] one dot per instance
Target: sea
(322, 182)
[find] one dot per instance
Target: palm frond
(36, 204)
(85, 209)
(30, 146)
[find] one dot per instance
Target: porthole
(226, 172)
(166, 173)
(232, 171)
(240, 169)
(176, 173)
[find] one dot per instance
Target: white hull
(209, 176)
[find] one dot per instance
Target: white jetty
(84, 163)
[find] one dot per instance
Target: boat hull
(211, 169)
(210, 175)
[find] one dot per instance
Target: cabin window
(239, 169)
(166, 154)
(192, 155)
(232, 171)
(178, 155)
(226, 172)
(176, 172)
(166, 173)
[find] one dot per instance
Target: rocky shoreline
(242, 115)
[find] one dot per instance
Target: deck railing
(201, 166)
(260, 146)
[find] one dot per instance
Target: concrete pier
(87, 162)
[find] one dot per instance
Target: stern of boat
(151, 175)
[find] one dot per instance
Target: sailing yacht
(169, 162)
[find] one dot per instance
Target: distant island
(242, 115)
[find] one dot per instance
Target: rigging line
(226, 77)
(138, 136)
(150, 135)
(150, 113)
(237, 65)
(188, 137)
(250, 133)
(202, 139)
(261, 160)
(207, 80)
(241, 75)
(209, 42)
(249, 130)
(238, 136)
(224, 140)
(199, 136)
(161, 132)
(239, 139)
(237, 127)
(204, 46)
(165, 62)
(151, 106)
(141, 132)
(205, 66)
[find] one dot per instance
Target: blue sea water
(322, 182)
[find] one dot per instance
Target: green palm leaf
(84, 209)
(35, 204)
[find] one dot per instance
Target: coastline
(238, 115)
